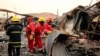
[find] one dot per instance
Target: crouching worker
(14, 33)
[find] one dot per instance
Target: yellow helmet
(41, 19)
(14, 18)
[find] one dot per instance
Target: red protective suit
(47, 24)
(39, 30)
(30, 29)
(48, 27)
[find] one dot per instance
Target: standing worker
(48, 25)
(30, 28)
(39, 31)
(14, 33)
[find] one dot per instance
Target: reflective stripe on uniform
(16, 46)
(15, 42)
(16, 32)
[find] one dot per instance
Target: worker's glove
(49, 32)
(31, 37)
(43, 35)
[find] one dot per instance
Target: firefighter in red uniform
(30, 28)
(39, 31)
(48, 25)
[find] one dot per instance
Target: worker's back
(14, 31)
